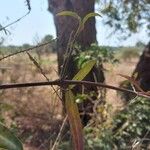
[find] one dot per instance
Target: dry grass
(37, 111)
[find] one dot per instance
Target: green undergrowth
(128, 129)
(94, 52)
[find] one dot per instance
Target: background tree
(140, 44)
(26, 45)
(51, 47)
(126, 16)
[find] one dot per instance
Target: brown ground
(36, 112)
(113, 78)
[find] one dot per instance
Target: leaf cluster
(128, 129)
(98, 53)
(127, 16)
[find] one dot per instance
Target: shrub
(129, 129)
(129, 53)
(99, 53)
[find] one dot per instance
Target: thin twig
(43, 73)
(28, 5)
(25, 50)
(37, 65)
(69, 82)
(66, 58)
(59, 134)
(3, 28)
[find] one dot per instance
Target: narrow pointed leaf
(69, 13)
(84, 71)
(88, 16)
(8, 140)
(74, 120)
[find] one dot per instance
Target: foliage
(130, 125)
(129, 53)
(128, 129)
(26, 46)
(4, 107)
(8, 49)
(133, 123)
(8, 140)
(51, 47)
(72, 109)
(81, 21)
(47, 38)
(84, 71)
(140, 44)
(71, 105)
(74, 120)
(127, 16)
(98, 53)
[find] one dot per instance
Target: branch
(4, 28)
(25, 50)
(70, 82)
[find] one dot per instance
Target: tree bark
(142, 69)
(141, 74)
(66, 27)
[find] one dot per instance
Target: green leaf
(74, 120)
(69, 13)
(88, 16)
(84, 71)
(8, 140)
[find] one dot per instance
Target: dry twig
(25, 50)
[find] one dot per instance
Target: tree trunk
(141, 74)
(143, 69)
(66, 27)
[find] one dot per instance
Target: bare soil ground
(113, 78)
(36, 113)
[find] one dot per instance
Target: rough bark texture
(65, 26)
(143, 69)
(141, 74)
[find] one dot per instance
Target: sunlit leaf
(8, 140)
(84, 71)
(69, 13)
(88, 16)
(74, 120)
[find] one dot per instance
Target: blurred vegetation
(101, 54)
(42, 50)
(128, 129)
(126, 16)
(127, 53)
